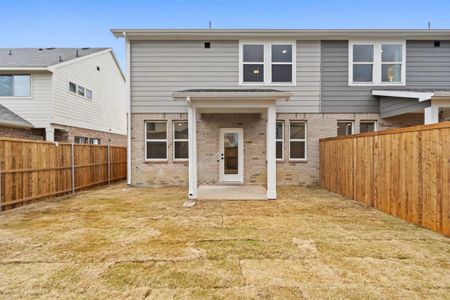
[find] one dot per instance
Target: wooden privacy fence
(32, 170)
(404, 172)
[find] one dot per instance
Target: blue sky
(83, 23)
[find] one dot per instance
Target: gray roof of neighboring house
(10, 119)
(41, 57)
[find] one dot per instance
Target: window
(344, 128)
(94, 141)
(81, 140)
(72, 87)
(89, 94)
(180, 140)
(81, 90)
(267, 63)
(297, 140)
(377, 63)
(367, 126)
(15, 85)
(156, 140)
(279, 140)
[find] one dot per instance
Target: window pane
(6, 84)
(297, 130)
(95, 141)
(391, 53)
(253, 53)
(391, 73)
(72, 87)
(181, 150)
(22, 86)
(181, 130)
(89, 94)
(156, 131)
(344, 128)
(362, 73)
(282, 53)
(297, 150)
(279, 130)
(156, 150)
(281, 73)
(253, 73)
(362, 53)
(80, 90)
(279, 151)
(366, 127)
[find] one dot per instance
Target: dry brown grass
(136, 243)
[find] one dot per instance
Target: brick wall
(22, 133)
(289, 172)
(106, 138)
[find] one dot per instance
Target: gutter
(128, 101)
(15, 125)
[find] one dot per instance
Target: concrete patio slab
(234, 192)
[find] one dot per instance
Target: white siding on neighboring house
(107, 109)
(36, 109)
(159, 68)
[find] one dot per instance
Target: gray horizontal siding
(427, 67)
(158, 68)
(390, 106)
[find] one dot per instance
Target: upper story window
(80, 90)
(267, 63)
(15, 85)
(377, 63)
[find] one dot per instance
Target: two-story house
(62, 94)
(248, 107)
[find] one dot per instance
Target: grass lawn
(136, 243)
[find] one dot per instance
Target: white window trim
(280, 140)
(268, 62)
(299, 140)
(156, 140)
(20, 97)
(377, 62)
(179, 140)
(369, 121)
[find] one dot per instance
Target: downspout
(128, 101)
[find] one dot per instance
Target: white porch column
(192, 129)
(50, 134)
(270, 152)
(431, 114)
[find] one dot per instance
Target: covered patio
(231, 101)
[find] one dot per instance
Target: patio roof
(211, 94)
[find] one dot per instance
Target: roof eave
(224, 34)
(232, 95)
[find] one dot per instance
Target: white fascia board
(24, 69)
(232, 95)
(421, 96)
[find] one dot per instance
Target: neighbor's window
(94, 141)
(72, 87)
(89, 94)
(279, 140)
(180, 140)
(297, 140)
(267, 63)
(15, 85)
(344, 128)
(377, 63)
(81, 91)
(81, 140)
(155, 140)
(367, 126)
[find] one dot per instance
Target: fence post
(109, 164)
(72, 146)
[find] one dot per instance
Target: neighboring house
(63, 95)
(249, 106)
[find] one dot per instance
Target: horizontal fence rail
(404, 172)
(33, 170)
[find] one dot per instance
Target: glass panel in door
(231, 153)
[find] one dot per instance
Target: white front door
(231, 154)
